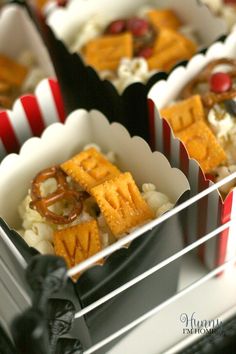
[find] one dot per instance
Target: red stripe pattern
(56, 92)
(7, 133)
(33, 113)
(184, 159)
(34, 116)
(222, 239)
(224, 209)
(166, 131)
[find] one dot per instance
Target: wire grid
(110, 249)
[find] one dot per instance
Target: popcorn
(43, 230)
(39, 232)
(40, 237)
(223, 172)
(92, 29)
(91, 145)
(220, 120)
(44, 247)
(31, 238)
(110, 49)
(137, 67)
(131, 70)
(148, 187)
(215, 5)
(164, 208)
(157, 201)
(28, 215)
(34, 76)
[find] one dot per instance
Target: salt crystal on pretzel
(165, 18)
(89, 168)
(202, 146)
(12, 72)
(77, 243)
(182, 114)
(105, 53)
(121, 203)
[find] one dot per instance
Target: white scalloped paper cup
(59, 142)
(65, 20)
(18, 35)
(67, 23)
(211, 211)
(18, 29)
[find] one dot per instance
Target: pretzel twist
(63, 192)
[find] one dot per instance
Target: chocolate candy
(138, 26)
(146, 52)
(220, 82)
(116, 27)
(230, 2)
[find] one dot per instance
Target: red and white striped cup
(211, 211)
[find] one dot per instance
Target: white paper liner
(65, 20)
(18, 34)
(59, 142)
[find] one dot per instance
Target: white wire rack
(124, 241)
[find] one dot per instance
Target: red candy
(230, 2)
(220, 82)
(146, 52)
(137, 26)
(116, 27)
(62, 3)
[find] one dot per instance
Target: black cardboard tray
(123, 265)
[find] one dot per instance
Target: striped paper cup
(211, 211)
(30, 115)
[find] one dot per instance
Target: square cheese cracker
(89, 168)
(202, 146)
(105, 53)
(121, 203)
(77, 243)
(182, 114)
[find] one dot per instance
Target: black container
(123, 265)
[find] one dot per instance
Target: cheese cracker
(202, 146)
(89, 168)
(182, 114)
(105, 53)
(77, 243)
(121, 203)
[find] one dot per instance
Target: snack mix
(17, 77)
(132, 49)
(83, 205)
(205, 119)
